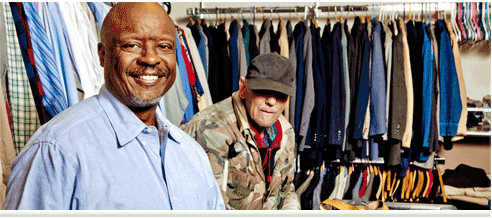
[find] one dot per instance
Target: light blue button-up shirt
(99, 155)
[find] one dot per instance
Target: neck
(261, 130)
(146, 115)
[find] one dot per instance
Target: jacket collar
(241, 114)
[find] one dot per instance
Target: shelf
(476, 133)
(479, 109)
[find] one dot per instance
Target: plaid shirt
(23, 110)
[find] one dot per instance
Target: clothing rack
(437, 160)
(314, 10)
(420, 8)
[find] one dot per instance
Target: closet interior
(392, 100)
(404, 171)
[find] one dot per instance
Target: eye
(132, 45)
(166, 47)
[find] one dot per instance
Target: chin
(138, 102)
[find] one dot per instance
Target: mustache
(141, 69)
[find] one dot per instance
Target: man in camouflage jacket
(249, 143)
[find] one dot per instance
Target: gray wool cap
(271, 72)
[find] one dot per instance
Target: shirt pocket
(240, 189)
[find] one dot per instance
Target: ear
(242, 87)
(101, 52)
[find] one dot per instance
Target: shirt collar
(125, 123)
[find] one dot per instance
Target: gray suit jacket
(308, 101)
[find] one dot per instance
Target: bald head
(125, 12)
(138, 53)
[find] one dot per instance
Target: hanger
(480, 20)
(341, 15)
(484, 18)
(454, 24)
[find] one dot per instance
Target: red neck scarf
(260, 143)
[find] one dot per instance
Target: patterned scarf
(271, 142)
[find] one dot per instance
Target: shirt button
(144, 143)
(149, 130)
(174, 198)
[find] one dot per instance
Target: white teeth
(148, 77)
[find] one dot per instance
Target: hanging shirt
(99, 155)
(100, 10)
(25, 120)
(54, 98)
(28, 57)
(184, 77)
(203, 49)
(60, 45)
(202, 86)
(83, 47)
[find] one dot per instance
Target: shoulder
(214, 116)
(214, 126)
(70, 120)
(74, 122)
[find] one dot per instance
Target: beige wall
(475, 60)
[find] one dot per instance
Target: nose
(149, 57)
(271, 101)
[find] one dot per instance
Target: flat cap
(271, 72)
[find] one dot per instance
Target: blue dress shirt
(100, 10)
(99, 155)
(184, 79)
(55, 97)
(61, 46)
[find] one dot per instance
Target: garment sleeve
(42, 178)
(290, 201)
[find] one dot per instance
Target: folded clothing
(465, 176)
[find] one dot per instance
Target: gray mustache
(160, 72)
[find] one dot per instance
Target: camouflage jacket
(223, 131)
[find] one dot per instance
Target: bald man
(116, 150)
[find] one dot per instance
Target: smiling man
(116, 150)
(249, 143)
